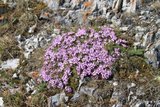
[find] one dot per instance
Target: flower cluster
(84, 51)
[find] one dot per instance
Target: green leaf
(136, 52)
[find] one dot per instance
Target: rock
(134, 4)
(102, 94)
(104, 11)
(157, 35)
(76, 17)
(138, 36)
(1, 102)
(150, 103)
(127, 20)
(158, 104)
(136, 45)
(125, 5)
(140, 92)
(115, 83)
(34, 92)
(32, 29)
(116, 21)
(144, 12)
(117, 105)
(57, 31)
(75, 4)
(30, 86)
(80, 83)
(75, 97)
(52, 4)
(87, 90)
(4, 1)
(158, 22)
(10, 64)
(131, 85)
(117, 5)
(140, 29)
(140, 104)
(57, 99)
(109, 15)
(33, 42)
(142, 18)
(67, 5)
(94, 5)
(27, 54)
(151, 55)
(30, 45)
(147, 39)
(44, 16)
(15, 75)
(124, 29)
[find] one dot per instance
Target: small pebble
(115, 83)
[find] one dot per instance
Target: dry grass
(6, 41)
(8, 48)
(156, 5)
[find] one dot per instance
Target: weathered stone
(124, 29)
(15, 75)
(133, 6)
(75, 3)
(115, 83)
(1, 102)
(158, 22)
(52, 4)
(109, 15)
(57, 99)
(32, 28)
(140, 29)
(148, 39)
(158, 104)
(157, 35)
(117, 5)
(75, 97)
(138, 37)
(10, 64)
(140, 104)
(151, 55)
(116, 21)
(132, 85)
(117, 105)
(87, 90)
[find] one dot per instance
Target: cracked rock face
(32, 43)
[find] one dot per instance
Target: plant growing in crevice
(76, 55)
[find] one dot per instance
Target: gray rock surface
(1, 102)
(57, 99)
(10, 64)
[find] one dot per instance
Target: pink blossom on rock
(82, 52)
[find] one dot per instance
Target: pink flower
(80, 52)
(81, 32)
